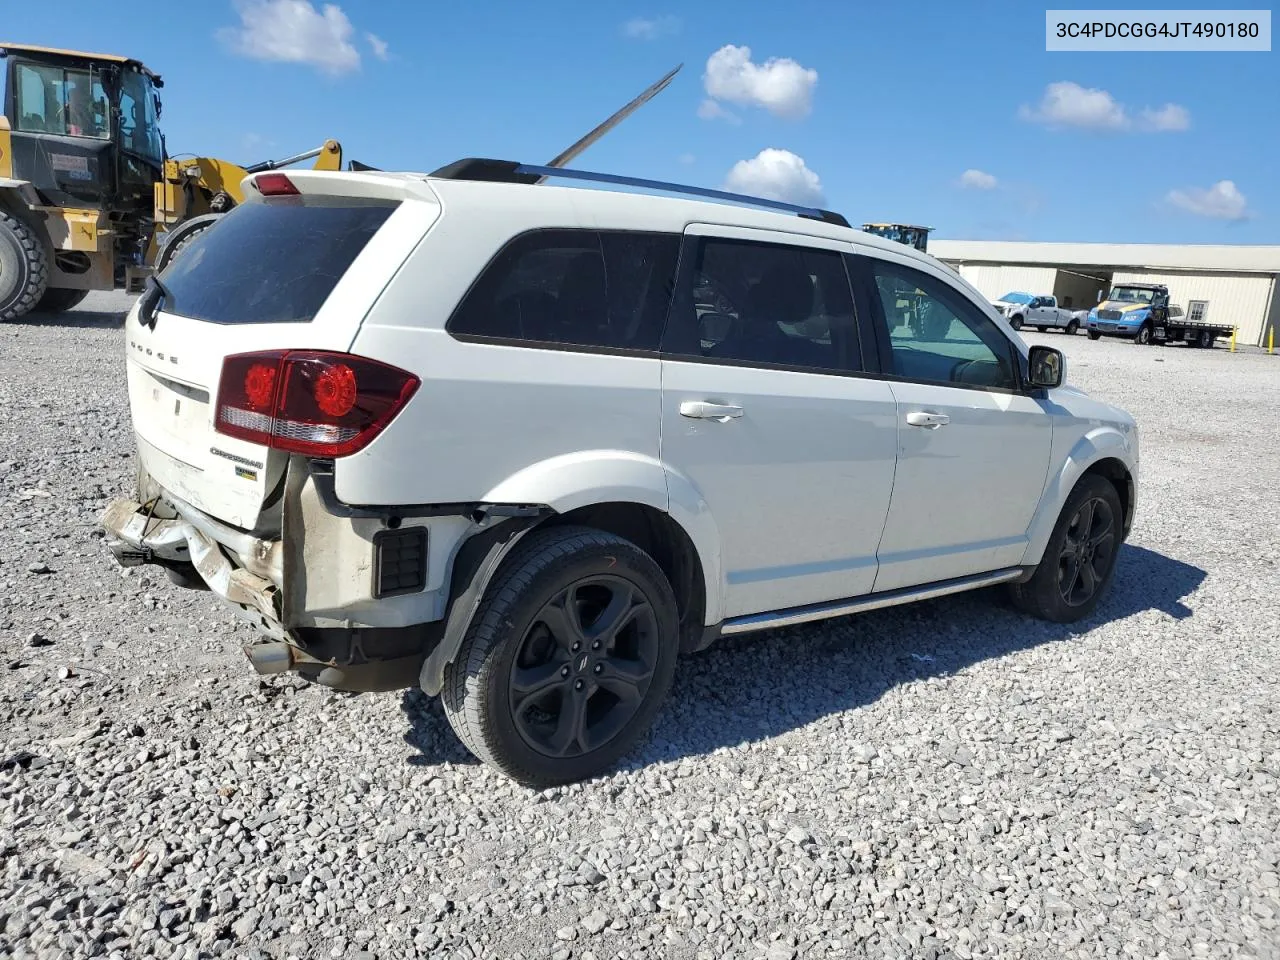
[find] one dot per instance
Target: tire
(521, 632)
(24, 268)
(1045, 596)
(1040, 328)
(171, 253)
(1015, 322)
(1205, 341)
(1094, 335)
(59, 299)
(1143, 336)
(1072, 327)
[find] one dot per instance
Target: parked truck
(1142, 311)
(1041, 312)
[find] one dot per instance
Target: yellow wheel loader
(89, 198)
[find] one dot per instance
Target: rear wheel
(1206, 339)
(1080, 558)
(1040, 328)
(58, 299)
(1072, 327)
(24, 267)
(567, 660)
(1144, 334)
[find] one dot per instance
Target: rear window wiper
(149, 302)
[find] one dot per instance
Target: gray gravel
(946, 780)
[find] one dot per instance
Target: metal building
(1225, 284)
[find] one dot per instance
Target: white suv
(525, 444)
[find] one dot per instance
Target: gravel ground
(944, 780)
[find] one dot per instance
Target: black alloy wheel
(1088, 552)
(583, 667)
(568, 658)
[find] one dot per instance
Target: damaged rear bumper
(136, 537)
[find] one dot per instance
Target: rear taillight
(309, 401)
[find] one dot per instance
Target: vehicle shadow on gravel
(757, 687)
(762, 685)
(72, 319)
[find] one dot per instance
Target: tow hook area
(135, 537)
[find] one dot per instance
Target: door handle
(923, 418)
(704, 410)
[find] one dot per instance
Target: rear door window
(589, 288)
(765, 304)
(271, 262)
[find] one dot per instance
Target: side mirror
(1048, 367)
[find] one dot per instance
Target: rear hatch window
(274, 262)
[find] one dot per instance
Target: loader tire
(59, 299)
(24, 267)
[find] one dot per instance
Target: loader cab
(910, 234)
(83, 128)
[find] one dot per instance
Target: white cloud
(781, 86)
(651, 28)
(777, 175)
(293, 31)
(378, 45)
(711, 110)
(1222, 201)
(1169, 117)
(1067, 104)
(978, 180)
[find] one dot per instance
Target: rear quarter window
(573, 288)
(273, 262)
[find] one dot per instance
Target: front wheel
(1094, 335)
(567, 660)
(1072, 327)
(1144, 334)
(1015, 322)
(24, 267)
(1080, 558)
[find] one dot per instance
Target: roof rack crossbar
(813, 213)
(508, 171)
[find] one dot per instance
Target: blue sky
(877, 110)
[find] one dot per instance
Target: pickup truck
(1038, 311)
(1142, 311)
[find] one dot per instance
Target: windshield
(1131, 294)
(139, 122)
(69, 103)
(1017, 298)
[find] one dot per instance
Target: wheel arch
(621, 493)
(1104, 452)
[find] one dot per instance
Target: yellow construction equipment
(89, 197)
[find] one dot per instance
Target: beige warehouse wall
(1240, 299)
(995, 280)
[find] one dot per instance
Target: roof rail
(510, 171)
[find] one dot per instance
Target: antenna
(568, 156)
